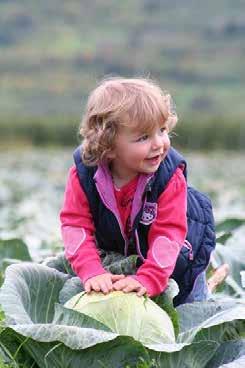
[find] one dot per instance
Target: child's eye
(142, 138)
(163, 129)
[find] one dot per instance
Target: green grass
(53, 52)
(211, 133)
(196, 133)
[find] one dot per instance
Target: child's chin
(151, 170)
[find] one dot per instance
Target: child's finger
(87, 287)
(141, 292)
(105, 287)
(95, 286)
(119, 285)
(109, 285)
(129, 288)
(117, 277)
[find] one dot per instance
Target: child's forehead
(137, 127)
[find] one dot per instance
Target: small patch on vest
(149, 213)
(164, 251)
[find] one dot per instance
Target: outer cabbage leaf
(12, 251)
(230, 249)
(127, 314)
(212, 320)
(196, 355)
(230, 351)
(57, 337)
(238, 363)
(120, 352)
(29, 299)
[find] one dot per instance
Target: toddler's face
(138, 152)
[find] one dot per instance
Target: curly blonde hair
(122, 102)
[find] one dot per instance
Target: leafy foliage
(43, 330)
(12, 251)
(37, 331)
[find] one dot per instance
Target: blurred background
(52, 53)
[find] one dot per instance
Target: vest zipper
(118, 221)
(189, 247)
(138, 245)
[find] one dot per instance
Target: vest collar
(104, 184)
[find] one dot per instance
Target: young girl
(125, 150)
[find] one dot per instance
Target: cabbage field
(42, 326)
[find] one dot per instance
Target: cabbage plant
(127, 315)
(39, 331)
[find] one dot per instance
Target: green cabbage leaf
(37, 330)
(127, 314)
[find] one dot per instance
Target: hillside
(53, 52)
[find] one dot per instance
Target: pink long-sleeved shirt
(165, 238)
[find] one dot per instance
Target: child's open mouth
(154, 160)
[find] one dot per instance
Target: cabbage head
(127, 314)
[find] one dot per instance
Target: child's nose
(157, 142)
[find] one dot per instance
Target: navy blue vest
(201, 228)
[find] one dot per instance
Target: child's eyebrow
(140, 133)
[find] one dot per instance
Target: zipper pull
(189, 247)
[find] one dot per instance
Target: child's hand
(102, 282)
(128, 284)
